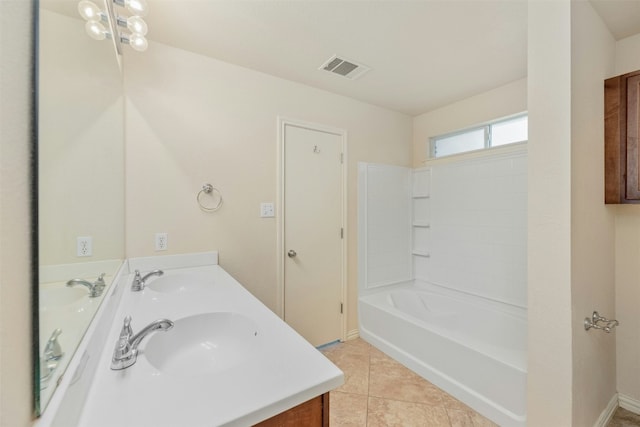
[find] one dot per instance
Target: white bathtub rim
(471, 398)
(505, 307)
(520, 364)
(478, 302)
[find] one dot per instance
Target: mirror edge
(35, 260)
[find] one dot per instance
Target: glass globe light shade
(89, 11)
(137, 7)
(96, 30)
(135, 24)
(138, 42)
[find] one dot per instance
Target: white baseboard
(608, 412)
(353, 334)
(629, 403)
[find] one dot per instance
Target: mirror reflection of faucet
(140, 281)
(95, 288)
(51, 356)
(126, 351)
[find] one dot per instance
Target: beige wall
(192, 119)
(549, 382)
(627, 301)
(15, 317)
(627, 59)
(500, 102)
(592, 222)
(627, 268)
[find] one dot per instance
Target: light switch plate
(266, 210)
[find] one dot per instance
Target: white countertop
(284, 371)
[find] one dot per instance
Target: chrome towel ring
(214, 192)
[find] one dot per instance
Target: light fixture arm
(122, 22)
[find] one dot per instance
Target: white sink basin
(180, 282)
(203, 344)
(60, 296)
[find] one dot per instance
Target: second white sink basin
(203, 344)
(179, 282)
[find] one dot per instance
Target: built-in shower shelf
(421, 224)
(420, 196)
(419, 253)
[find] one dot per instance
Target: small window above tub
(497, 133)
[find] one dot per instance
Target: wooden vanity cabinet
(312, 413)
(622, 133)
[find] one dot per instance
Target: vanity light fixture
(97, 19)
(137, 7)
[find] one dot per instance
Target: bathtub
(474, 349)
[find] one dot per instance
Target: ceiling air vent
(344, 67)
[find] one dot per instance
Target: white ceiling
(423, 54)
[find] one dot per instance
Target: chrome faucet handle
(52, 350)
(122, 354)
(100, 281)
(137, 284)
(126, 331)
(126, 351)
(139, 281)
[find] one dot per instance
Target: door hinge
(341, 157)
(342, 233)
(341, 308)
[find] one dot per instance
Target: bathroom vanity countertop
(283, 370)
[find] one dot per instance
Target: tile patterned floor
(378, 391)
(622, 418)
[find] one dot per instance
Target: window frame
(487, 136)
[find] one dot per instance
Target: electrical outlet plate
(161, 241)
(84, 246)
(266, 210)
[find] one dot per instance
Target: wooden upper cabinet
(622, 131)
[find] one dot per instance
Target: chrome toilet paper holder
(599, 322)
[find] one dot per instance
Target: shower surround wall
(478, 233)
(464, 222)
(436, 245)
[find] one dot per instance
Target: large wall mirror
(80, 184)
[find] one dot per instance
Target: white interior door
(313, 232)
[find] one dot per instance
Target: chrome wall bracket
(599, 322)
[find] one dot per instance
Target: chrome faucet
(95, 288)
(126, 351)
(53, 351)
(139, 281)
(51, 355)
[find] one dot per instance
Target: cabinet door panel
(633, 133)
